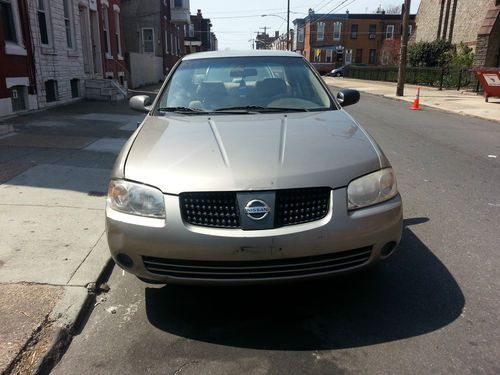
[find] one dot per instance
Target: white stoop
(104, 89)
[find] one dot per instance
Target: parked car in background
(247, 170)
(323, 68)
(342, 71)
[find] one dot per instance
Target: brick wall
(349, 42)
(57, 62)
(114, 63)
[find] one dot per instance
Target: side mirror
(140, 103)
(347, 97)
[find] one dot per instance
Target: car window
(218, 83)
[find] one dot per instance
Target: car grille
(220, 209)
(261, 269)
(297, 206)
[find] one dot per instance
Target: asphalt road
(431, 308)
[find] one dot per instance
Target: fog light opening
(388, 249)
(124, 260)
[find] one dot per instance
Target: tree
(462, 56)
(389, 9)
(436, 53)
(392, 9)
(390, 52)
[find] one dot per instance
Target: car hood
(180, 153)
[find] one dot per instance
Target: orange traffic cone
(416, 102)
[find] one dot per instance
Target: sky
(236, 22)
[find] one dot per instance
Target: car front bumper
(175, 252)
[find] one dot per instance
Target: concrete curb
(73, 323)
(409, 100)
(438, 108)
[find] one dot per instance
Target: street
(431, 308)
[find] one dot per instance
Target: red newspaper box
(490, 80)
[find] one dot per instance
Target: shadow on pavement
(410, 294)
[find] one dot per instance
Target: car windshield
(254, 84)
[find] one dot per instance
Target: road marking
(492, 156)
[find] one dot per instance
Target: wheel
(338, 74)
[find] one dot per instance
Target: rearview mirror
(348, 97)
(242, 73)
(140, 103)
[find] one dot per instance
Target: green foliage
(463, 57)
(440, 53)
(436, 53)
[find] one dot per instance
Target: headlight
(372, 189)
(136, 199)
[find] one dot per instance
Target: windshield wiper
(258, 108)
(182, 110)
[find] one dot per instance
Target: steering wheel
(277, 97)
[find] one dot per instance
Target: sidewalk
(54, 169)
(461, 102)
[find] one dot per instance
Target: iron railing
(460, 79)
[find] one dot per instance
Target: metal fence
(460, 79)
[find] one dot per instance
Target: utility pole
(404, 48)
(264, 28)
(288, 27)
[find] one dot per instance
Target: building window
(75, 91)
(44, 22)
(301, 35)
(359, 56)
(389, 32)
(51, 90)
(329, 54)
(118, 39)
(105, 30)
(337, 30)
(68, 24)
(7, 19)
(18, 98)
(372, 56)
(191, 30)
(410, 29)
(178, 3)
(148, 45)
(171, 42)
(354, 31)
(11, 27)
(372, 32)
(317, 55)
(320, 31)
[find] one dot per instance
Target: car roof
(250, 53)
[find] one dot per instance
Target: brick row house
(158, 34)
(59, 51)
(339, 39)
(198, 35)
(475, 23)
(17, 82)
(154, 38)
(77, 44)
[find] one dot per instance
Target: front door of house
(18, 98)
(348, 56)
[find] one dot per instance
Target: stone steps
(104, 89)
